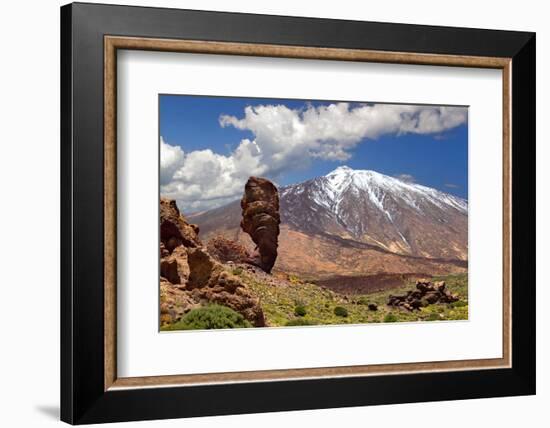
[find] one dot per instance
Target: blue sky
(423, 143)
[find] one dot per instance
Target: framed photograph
(266, 213)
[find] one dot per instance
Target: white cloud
(171, 159)
(407, 178)
(205, 179)
(330, 132)
(287, 139)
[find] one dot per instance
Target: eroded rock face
(190, 277)
(261, 219)
(174, 229)
(175, 267)
(426, 293)
(225, 250)
(174, 302)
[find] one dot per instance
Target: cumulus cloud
(204, 179)
(287, 139)
(330, 131)
(171, 159)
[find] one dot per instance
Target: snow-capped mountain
(352, 222)
(373, 208)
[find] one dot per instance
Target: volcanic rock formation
(190, 277)
(261, 219)
(425, 294)
(353, 223)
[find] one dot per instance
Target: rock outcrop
(225, 250)
(174, 229)
(426, 293)
(190, 277)
(261, 219)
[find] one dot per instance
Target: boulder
(174, 229)
(226, 251)
(261, 219)
(174, 302)
(203, 269)
(175, 267)
(426, 293)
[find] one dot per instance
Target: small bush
(433, 317)
(362, 301)
(298, 322)
(459, 304)
(390, 318)
(211, 317)
(340, 311)
(294, 279)
(300, 311)
(237, 271)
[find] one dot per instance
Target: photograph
(260, 212)
(286, 212)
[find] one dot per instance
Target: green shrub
(211, 317)
(362, 301)
(340, 311)
(390, 318)
(299, 321)
(459, 304)
(294, 279)
(300, 310)
(237, 270)
(433, 317)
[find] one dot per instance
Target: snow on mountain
(335, 184)
(357, 209)
(373, 208)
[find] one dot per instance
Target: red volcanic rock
(174, 302)
(261, 219)
(190, 277)
(174, 267)
(174, 229)
(426, 293)
(225, 250)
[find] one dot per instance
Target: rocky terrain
(426, 293)
(372, 208)
(261, 273)
(354, 223)
(191, 278)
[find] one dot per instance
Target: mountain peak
(346, 170)
(374, 209)
(342, 168)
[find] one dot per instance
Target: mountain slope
(352, 222)
(373, 208)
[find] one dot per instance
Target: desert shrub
(300, 310)
(433, 317)
(362, 301)
(390, 318)
(211, 317)
(237, 271)
(298, 322)
(225, 250)
(294, 279)
(458, 304)
(340, 311)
